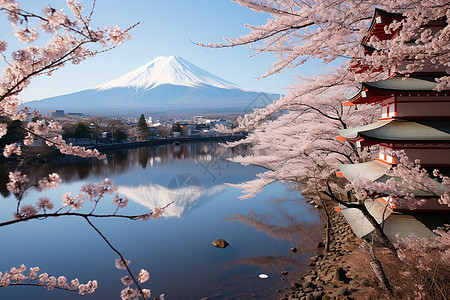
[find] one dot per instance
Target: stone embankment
(331, 275)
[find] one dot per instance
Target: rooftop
(395, 130)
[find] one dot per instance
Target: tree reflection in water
(121, 161)
(283, 224)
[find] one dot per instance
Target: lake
(176, 249)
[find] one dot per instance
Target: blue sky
(166, 28)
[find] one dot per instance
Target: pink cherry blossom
(44, 203)
(119, 201)
(26, 211)
(62, 282)
(33, 273)
(11, 149)
(146, 294)
(157, 212)
(74, 284)
(51, 283)
(88, 288)
(143, 276)
(16, 181)
(120, 264)
(3, 129)
(127, 280)
(128, 294)
(75, 202)
(52, 181)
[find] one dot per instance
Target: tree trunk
(327, 238)
(378, 229)
(328, 229)
(378, 270)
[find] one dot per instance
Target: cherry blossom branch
(117, 251)
(16, 277)
(41, 285)
(49, 215)
(363, 209)
(59, 61)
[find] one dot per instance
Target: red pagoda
(414, 118)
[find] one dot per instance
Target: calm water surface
(176, 249)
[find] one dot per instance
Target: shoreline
(336, 274)
(41, 155)
(158, 142)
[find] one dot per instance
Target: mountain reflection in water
(183, 199)
(177, 249)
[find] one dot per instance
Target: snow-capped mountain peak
(167, 70)
(166, 85)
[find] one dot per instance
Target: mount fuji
(165, 85)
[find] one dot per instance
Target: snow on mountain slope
(167, 70)
(166, 85)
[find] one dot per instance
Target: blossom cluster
(17, 182)
(16, 276)
(52, 181)
(407, 178)
(95, 191)
(11, 149)
(427, 261)
(129, 293)
(303, 136)
(71, 37)
(50, 133)
(75, 202)
(69, 44)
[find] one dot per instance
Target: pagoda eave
(397, 85)
(376, 171)
(382, 18)
(425, 131)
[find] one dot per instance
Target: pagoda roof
(368, 48)
(380, 19)
(376, 171)
(398, 130)
(395, 224)
(372, 92)
(401, 83)
(372, 170)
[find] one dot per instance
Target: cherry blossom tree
(72, 40)
(300, 144)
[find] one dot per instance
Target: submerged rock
(220, 243)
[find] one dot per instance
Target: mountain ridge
(165, 85)
(167, 70)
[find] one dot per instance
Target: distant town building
(107, 135)
(199, 119)
(191, 130)
(74, 114)
(56, 113)
(221, 122)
